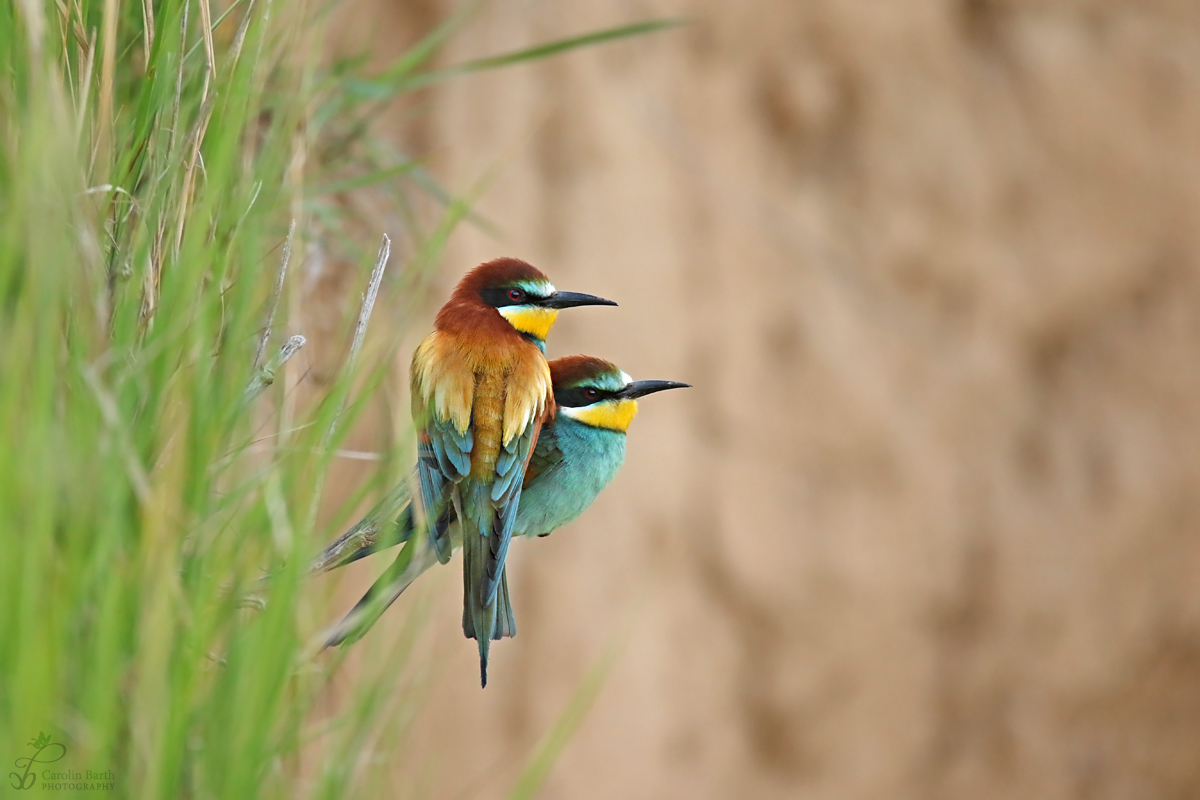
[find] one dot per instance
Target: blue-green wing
(546, 456)
(443, 459)
(506, 497)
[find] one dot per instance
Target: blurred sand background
(928, 524)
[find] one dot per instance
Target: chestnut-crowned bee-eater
(576, 455)
(481, 392)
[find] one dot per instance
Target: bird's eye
(590, 394)
(516, 294)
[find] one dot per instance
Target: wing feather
(506, 498)
(546, 456)
(437, 475)
(442, 389)
(523, 406)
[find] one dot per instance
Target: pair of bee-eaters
(508, 443)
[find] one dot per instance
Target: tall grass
(153, 159)
(145, 186)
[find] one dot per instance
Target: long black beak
(572, 299)
(643, 388)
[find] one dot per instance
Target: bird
(579, 451)
(481, 392)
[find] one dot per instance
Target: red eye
(515, 294)
(590, 394)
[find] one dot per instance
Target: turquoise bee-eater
(576, 455)
(481, 392)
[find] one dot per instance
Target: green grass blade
(548, 750)
(383, 87)
(369, 179)
(423, 50)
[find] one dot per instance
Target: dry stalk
(265, 377)
(360, 330)
(283, 265)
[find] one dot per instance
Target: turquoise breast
(590, 459)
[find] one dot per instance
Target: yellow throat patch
(613, 415)
(532, 321)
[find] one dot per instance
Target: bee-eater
(577, 454)
(481, 392)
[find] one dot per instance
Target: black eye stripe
(499, 296)
(576, 396)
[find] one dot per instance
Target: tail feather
(479, 619)
(506, 623)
